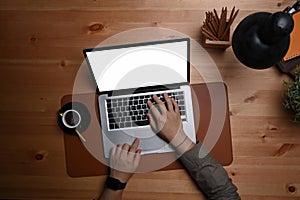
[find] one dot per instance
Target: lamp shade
(262, 39)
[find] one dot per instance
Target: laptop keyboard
(126, 112)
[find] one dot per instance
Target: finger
(113, 151)
(155, 113)
(137, 158)
(151, 121)
(176, 107)
(161, 106)
(119, 147)
(134, 145)
(150, 104)
(139, 151)
(162, 109)
(168, 101)
(118, 150)
(124, 151)
(125, 147)
(133, 150)
(112, 154)
(156, 99)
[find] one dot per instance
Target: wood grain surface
(40, 53)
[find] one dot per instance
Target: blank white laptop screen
(139, 66)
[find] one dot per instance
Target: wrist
(182, 143)
(114, 184)
(185, 146)
(178, 139)
(122, 176)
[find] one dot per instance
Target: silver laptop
(127, 76)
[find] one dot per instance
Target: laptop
(127, 76)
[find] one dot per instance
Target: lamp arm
(293, 9)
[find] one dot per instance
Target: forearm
(209, 175)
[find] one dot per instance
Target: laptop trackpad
(152, 145)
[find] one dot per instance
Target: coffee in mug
(71, 118)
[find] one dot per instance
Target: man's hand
(166, 121)
(124, 160)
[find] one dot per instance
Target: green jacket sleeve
(209, 175)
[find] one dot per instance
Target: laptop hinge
(145, 89)
(156, 88)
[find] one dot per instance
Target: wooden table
(41, 51)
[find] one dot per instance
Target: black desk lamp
(262, 39)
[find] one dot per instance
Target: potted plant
(292, 95)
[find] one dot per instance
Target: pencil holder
(215, 31)
(219, 44)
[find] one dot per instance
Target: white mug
(64, 118)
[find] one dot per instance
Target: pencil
(208, 34)
(80, 136)
(216, 16)
(232, 18)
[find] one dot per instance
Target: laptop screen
(140, 65)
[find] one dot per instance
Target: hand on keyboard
(166, 121)
(165, 118)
